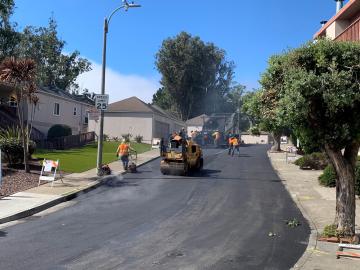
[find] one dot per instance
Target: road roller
(181, 157)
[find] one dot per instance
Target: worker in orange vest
(236, 146)
(230, 143)
(123, 152)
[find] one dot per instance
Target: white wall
(193, 128)
(175, 125)
(45, 118)
(250, 139)
(116, 124)
(336, 28)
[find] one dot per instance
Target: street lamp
(126, 6)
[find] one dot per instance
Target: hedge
(314, 161)
(57, 131)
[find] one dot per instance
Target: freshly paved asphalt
(218, 219)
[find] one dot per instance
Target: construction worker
(235, 146)
(230, 143)
(216, 136)
(123, 152)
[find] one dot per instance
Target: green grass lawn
(77, 160)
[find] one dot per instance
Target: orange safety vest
(235, 141)
(123, 149)
(177, 138)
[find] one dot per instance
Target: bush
(330, 231)
(127, 137)
(139, 138)
(328, 178)
(106, 138)
(57, 131)
(12, 149)
(115, 139)
(314, 161)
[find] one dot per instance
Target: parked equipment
(181, 157)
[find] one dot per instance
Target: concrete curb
(314, 231)
(68, 197)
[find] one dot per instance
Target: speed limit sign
(101, 102)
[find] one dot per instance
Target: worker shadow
(3, 234)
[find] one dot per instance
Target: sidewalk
(317, 204)
(37, 199)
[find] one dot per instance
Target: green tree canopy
(195, 76)
(55, 68)
(318, 96)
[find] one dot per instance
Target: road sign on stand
(101, 102)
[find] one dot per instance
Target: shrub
(255, 131)
(127, 137)
(106, 137)
(330, 231)
(115, 139)
(57, 131)
(139, 138)
(12, 149)
(314, 161)
(328, 178)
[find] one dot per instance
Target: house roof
(64, 94)
(134, 104)
(347, 12)
(198, 120)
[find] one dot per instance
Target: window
(75, 111)
(86, 120)
(56, 109)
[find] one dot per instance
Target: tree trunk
(344, 166)
(21, 115)
(277, 139)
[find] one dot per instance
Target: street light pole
(125, 6)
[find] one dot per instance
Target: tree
(55, 69)
(320, 99)
(195, 76)
(272, 89)
(21, 75)
(9, 38)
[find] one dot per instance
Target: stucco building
(344, 25)
(263, 138)
(54, 106)
(134, 116)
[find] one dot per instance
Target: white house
(54, 106)
(134, 116)
(263, 138)
(197, 123)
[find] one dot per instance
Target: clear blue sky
(249, 31)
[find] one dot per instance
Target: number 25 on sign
(101, 102)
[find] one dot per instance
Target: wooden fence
(67, 142)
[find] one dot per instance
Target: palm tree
(21, 73)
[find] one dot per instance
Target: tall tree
(195, 75)
(9, 38)
(21, 75)
(320, 100)
(55, 68)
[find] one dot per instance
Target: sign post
(101, 104)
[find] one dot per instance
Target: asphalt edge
(68, 197)
(312, 244)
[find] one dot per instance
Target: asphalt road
(218, 219)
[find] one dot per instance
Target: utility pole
(125, 6)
